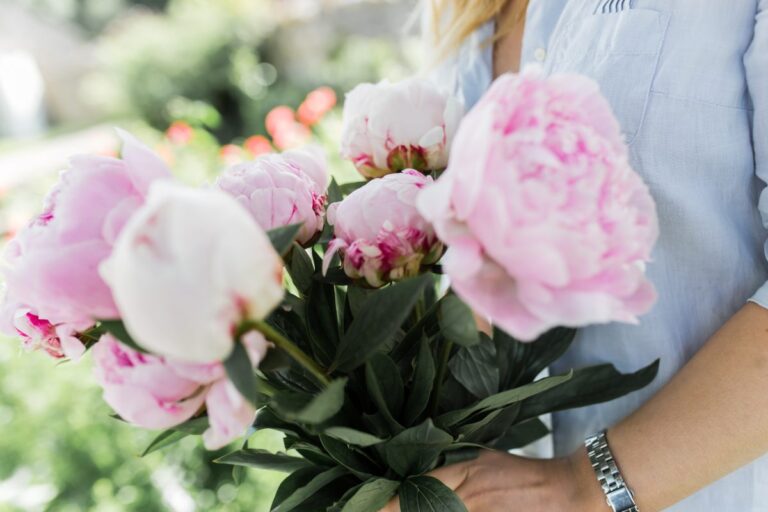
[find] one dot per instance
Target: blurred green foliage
(223, 64)
(91, 16)
(60, 450)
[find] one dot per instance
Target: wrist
(586, 494)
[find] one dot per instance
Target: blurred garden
(207, 83)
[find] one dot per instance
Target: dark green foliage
(427, 494)
(414, 386)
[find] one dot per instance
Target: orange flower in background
(164, 152)
(279, 118)
(110, 152)
(179, 133)
(258, 145)
(291, 136)
(231, 154)
(317, 103)
(285, 131)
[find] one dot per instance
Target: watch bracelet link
(617, 494)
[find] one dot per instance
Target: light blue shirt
(688, 80)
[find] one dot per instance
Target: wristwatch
(617, 494)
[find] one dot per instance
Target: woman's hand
(501, 482)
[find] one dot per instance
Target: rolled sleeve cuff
(760, 297)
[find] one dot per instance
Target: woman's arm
(711, 419)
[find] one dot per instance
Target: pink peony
(52, 265)
(190, 266)
(282, 189)
(37, 333)
(156, 393)
(380, 234)
(144, 389)
(546, 223)
(391, 127)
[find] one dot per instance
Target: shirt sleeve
(756, 64)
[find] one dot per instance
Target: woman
(688, 80)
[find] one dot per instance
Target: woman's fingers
(452, 476)
(392, 506)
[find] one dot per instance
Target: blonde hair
(453, 21)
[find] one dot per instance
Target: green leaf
(588, 386)
(293, 483)
(427, 326)
(193, 427)
(341, 502)
(307, 491)
(421, 385)
(372, 496)
(385, 385)
(335, 192)
(300, 268)
(306, 408)
(335, 276)
(469, 431)
(348, 188)
(520, 362)
(353, 437)
(379, 321)
(240, 371)
(522, 434)
(427, 494)
(457, 322)
(263, 459)
(282, 238)
(357, 295)
(503, 399)
(350, 457)
(267, 419)
(475, 368)
(165, 438)
(322, 321)
(312, 453)
(489, 428)
(416, 450)
(117, 329)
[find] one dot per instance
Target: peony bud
(546, 223)
(380, 234)
(190, 267)
(280, 190)
(391, 127)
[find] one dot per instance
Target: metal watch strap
(617, 494)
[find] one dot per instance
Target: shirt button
(540, 54)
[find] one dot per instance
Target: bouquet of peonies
(345, 316)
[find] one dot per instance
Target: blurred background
(206, 83)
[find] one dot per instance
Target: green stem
(420, 308)
(442, 368)
(266, 388)
(290, 348)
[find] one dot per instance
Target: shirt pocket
(619, 50)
